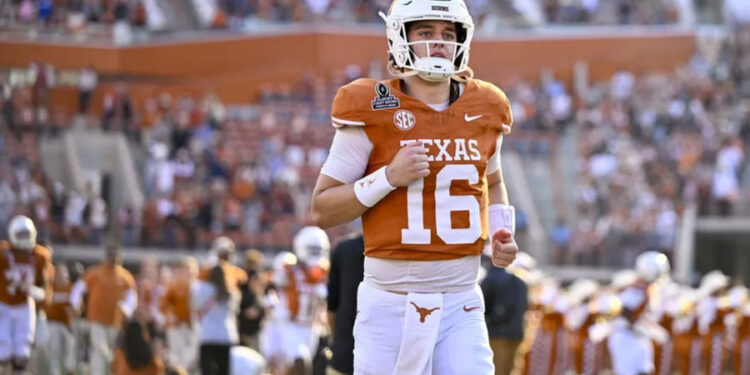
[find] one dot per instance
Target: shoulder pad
(497, 100)
(352, 103)
(43, 251)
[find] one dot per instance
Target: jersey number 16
(445, 203)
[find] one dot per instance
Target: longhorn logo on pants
(423, 312)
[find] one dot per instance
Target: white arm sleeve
(349, 154)
(129, 303)
(76, 294)
(493, 163)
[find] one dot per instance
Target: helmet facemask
(430, 68)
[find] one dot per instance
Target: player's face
(438, 31)
(113, 257)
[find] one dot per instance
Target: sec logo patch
(404, 120)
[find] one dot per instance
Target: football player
(182, 335)
(25, 273)
(112, 300)
(60, 315)
(223, 251)
(301, 289)
(417, 157)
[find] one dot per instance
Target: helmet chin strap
(404, 73)
(430, 77)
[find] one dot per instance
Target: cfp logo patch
(384, 99)
(404, 120)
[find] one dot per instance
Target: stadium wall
(236, 67)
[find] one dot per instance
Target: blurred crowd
(652, 145)
(74, 15)
(28, 115)
(617, 12)
(247, 174)
(487, 13)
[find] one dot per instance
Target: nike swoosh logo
(471, 118)
(470, 308)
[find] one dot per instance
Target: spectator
(561, 234)
(74, 227)
(127, 221)
(726, 176)
(10, 115)
(97, 217)
(87, 82)
(7, 201)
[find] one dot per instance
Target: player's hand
(504, 248)
(409, 165)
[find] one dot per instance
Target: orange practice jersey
(59, 309)
(107, 287)
(20, 269)
(236, 276)
(443, 216)
(176, 303)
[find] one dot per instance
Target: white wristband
(372, 188)
(502, 216)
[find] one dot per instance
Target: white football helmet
(280, 262)
(311, 245)
(429, 68)
(22, 233)
(712, 282)
(582, 289)
(651, 265)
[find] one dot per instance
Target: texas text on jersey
(444, 216)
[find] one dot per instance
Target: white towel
(421, 327)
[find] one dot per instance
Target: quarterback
(25, 274)
(417, 157)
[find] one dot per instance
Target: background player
(26, 269)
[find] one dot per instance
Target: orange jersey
(236, 276)
(59, 309)
(304, 293)
(444, 215)
(107, 287)
(176, 303)
(20, 269)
